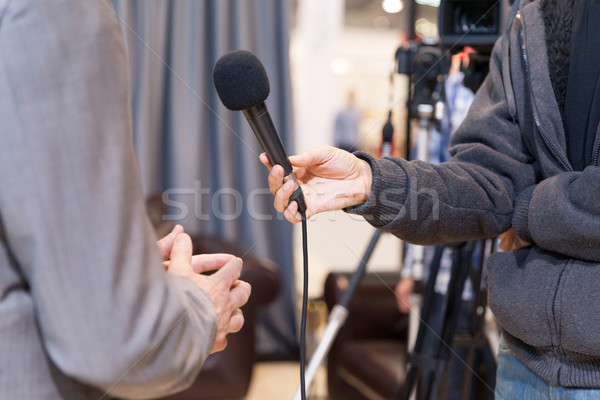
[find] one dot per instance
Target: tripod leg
(477, 318)
(460, 267)
(424, 323)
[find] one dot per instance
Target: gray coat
(86, 308)
(510, 168)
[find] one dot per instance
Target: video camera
(474, 23)
(461, 23)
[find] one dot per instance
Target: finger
(237, 321)
(275, 178)
(265, 160)
(235, 284)
(291, 213)
(282, 197)
(220, 345)
(229, 273)
(240, 294)
(313, 157)
(165, 244)
(208, 262)
(181, 255)
(522, 243)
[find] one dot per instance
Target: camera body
(474, 23)
(424, 63)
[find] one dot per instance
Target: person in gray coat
(524, 166)
(88, 309)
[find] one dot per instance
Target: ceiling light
(392, 6)
(433, 3)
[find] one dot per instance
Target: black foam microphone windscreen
(241, 80)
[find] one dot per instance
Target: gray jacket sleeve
(73, 209)
(562, 214)
(470, 196)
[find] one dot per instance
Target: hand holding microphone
(331, 178)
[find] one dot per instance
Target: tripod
(432, 366)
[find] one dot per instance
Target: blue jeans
(515, 381)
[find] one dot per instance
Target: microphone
(242, 84)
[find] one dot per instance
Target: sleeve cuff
(388, 191)
(200, 309)
(520, 220)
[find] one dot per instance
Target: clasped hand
(224, 288)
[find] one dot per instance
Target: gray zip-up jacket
(510, 168)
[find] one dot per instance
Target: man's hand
(509, 241)
(166, 244)
(223, 287)
(403, 290)
(331, 179)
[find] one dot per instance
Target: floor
(280, 381)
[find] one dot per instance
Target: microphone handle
(262, 125)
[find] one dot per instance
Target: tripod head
(424, 64)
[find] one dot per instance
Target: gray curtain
(201, 157)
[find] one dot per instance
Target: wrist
(520, 219)
(384, 182)
(366, 175)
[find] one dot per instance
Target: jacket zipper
(559, 155)
(596, 151)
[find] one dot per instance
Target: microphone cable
(304, 307)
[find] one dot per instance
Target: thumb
(181, 255)
(263, 159)
(166, 244)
